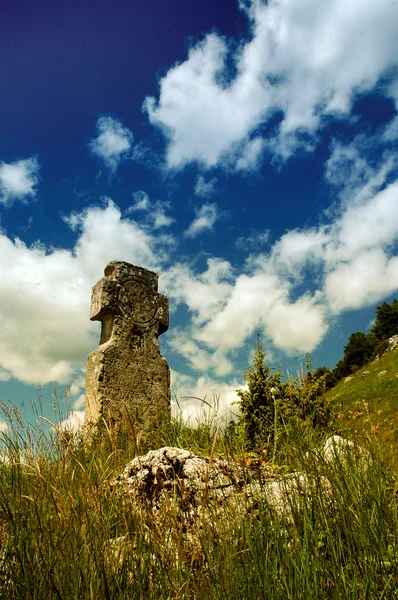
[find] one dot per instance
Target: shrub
(271, 407)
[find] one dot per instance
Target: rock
(182, 474)
(382, 373)
(364, 373)
(347, 379)
(392, 343)
(201, 486)
(337, 448)
(127, 381)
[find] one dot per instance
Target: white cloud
(391, 131)
(4, 375)
(73, 423)
(367, 224)
(159, 217)
(155, 212)
(204, 398)
(113, 143)
(296, 327)
(255, 241)
(199, 358)
(296, 249)
(305, 60)
(204, 188)
(79, 402)
(347, 166)
(141, 202)
(3, 428)
(205, 218)
(250, 297)
(204, 293)
(363, 281)
(45, 295)
(104, 234)
(261, 301)
(293, 291)
(18, 180)
(250, 155)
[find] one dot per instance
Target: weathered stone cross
(127, 376)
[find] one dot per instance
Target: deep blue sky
(247, 154)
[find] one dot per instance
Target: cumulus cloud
(113, 143)
(299, 248)
(198, 358)
(204, 293)
(363, 281)
(45, 296)
(293, 290)
(296, 327)
(205, 219)
(18, 180)
(303, 62)
(354, 256)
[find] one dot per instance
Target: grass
(66, 533)
(367, 405)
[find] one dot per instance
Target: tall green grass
(67, 533)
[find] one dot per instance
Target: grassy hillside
(367, 404)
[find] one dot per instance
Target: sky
(245, 151)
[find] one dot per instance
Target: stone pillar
(127, 380)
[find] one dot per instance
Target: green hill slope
(367, 403)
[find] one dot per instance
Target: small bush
(274, 411)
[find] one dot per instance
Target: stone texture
(337, 448)
(392, 343)
(127, 380)
(203, 488)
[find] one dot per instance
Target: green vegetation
(367, 405)
(274, 410)
(66, 533)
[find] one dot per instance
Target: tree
(257, 403)
(271, 407)
(358, 351)
(386, 323)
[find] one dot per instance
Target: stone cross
(127, 379)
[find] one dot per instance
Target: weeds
(65, 533)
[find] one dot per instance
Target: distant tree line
(361, 347)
